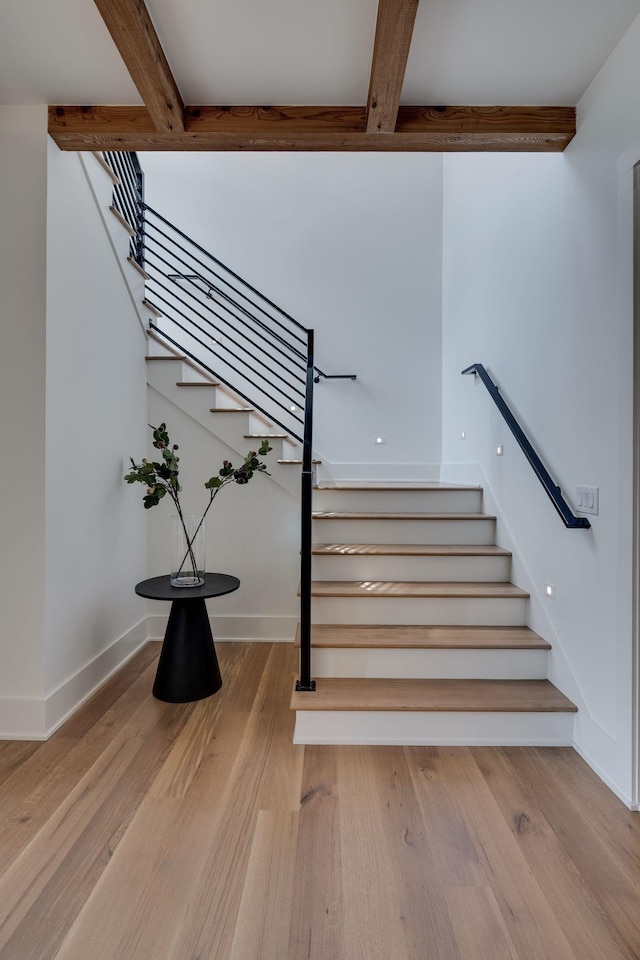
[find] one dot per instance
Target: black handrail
(552, 489)
(232, 331)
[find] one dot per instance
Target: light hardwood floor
(151, 831)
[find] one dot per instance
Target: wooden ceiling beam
(394, 28)
(439, 129)
(134, 35)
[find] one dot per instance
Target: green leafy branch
(161, 478)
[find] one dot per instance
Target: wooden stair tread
(122, 221)
(150, 307)
(166, 357)
(418, 636)
(197, 383)
(298, 461)
(408, 550)
(485, 696)
(266, 436)
(414, 589)
(231, 410)
(425, 485)
(331, 515)
(137, 267)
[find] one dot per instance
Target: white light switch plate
(587, 499)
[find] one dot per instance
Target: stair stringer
(230, 428)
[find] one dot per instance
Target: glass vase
(187, 551)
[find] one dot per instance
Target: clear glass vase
(187, 551)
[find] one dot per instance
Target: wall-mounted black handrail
(552, 489)
(211, 315)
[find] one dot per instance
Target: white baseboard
(597, 769)
(22, 718)
(256, 629)
(36, 718)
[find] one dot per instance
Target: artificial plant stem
(189, 543)
(211, 499)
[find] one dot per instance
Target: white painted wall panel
(351, 246)
(22, 397)
(96, 416)
(537, 286)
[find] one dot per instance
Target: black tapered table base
(188, 668)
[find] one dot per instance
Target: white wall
(253, 532)
(23, 165)
(96, 415)
(351, 246)
(73, 401)
(537, 286)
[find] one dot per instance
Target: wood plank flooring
(146, 830)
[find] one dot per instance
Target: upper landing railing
(552, 489)
(244, 340)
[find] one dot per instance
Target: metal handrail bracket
(552, 489)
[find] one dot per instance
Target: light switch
(587, 499)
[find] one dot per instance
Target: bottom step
(430, 712)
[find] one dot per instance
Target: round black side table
(188, 668)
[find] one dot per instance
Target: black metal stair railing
(128, 196)
(210, 314)
(552, 489)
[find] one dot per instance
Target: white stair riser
(447, 611)
(339, 567)
(410, 501)
(433, 728)
(404, 531)
(412, 664)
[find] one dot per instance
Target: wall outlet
(587, 499)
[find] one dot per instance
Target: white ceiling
(312, 52)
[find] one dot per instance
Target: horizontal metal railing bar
(259, 359)
(222, 379)
(223, 319)
(243, 310)
(552, 489)
(319, 372)
(125, 207)
(167, 240)
(127, 176)
(207, 268)
(170, 264)
(236, 276)
(125, 170)
(290, 400)
(236, 370)
(127, 196)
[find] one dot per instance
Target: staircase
(418, 635)
(219, 410)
